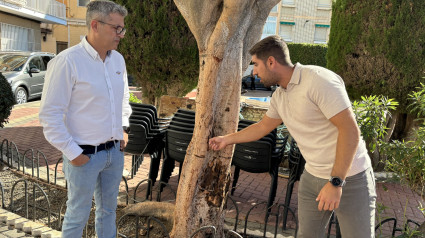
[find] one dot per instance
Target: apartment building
(300, 21)
(20, 22)
(63, 36)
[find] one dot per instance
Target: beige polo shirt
(313, 96)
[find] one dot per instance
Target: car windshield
(12, 62)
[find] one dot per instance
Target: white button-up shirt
(85, 99)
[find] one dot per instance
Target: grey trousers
(356, 212)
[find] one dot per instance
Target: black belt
(90, 149)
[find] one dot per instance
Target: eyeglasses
(119, 29)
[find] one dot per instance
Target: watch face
(336, 181)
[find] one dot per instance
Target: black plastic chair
(138, 142)
(176, 144)
(146, 116)
(259, 157)
(136, 106)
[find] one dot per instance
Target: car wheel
(21, 95)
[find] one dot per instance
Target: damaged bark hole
(217, 59)
(227, 109)
(213, 183)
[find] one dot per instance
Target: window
(17, 38)
(83, 3)
(285, 31)
(321, 34)
(46, 60)
(269, 27)
(36, 63)
(324, 3)
(288, 2)
(287, 13)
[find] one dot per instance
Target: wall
(169, 105)
(49, 45)
(303, 15)
(72, 32)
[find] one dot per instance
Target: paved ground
(25, 131)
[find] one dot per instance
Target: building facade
(20, 22)
(300, 21)
(63, 36)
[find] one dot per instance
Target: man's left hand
(123, 143)
(329, 197)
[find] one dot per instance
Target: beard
(269, 79)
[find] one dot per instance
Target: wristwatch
(126, 129)
(337, 181)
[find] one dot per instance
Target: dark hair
(272, 46)
(100, 9)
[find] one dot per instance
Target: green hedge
(7, 100)
(378, 47)
(308, 54)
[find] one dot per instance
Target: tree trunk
(224, 31)
(403, 128)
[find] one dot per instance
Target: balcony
(46, 11)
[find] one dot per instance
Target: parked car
(247, 76)
(246, 82)
(25, 72)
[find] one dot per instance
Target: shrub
(406, 158)
(377, 47)
(134, 98)
(308, 54)
(7, 100)
(372, 114)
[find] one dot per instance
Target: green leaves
(7, 100)
(377, 47)
(372, 113)
(160, 50)
(308, 54)
(406, 158)
(134, 98)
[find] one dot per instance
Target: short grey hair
(100, 9)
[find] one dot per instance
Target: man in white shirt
(313, 104)
(84, 110)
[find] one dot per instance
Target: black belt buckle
(90, 149)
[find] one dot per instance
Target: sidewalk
(24, 130)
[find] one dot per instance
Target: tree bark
(224, 31)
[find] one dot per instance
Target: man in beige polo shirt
(314, 105)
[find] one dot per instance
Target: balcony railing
(48, 7)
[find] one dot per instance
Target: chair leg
(272, 195)
(153, 173)
(133, 162)
(273, 188)
(288, 196)
(180, 171)
(235, 179)
(166, 171)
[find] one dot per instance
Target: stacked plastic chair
(146, 135)
(178, 136)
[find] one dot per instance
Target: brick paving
(24, 130)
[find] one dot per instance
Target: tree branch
(260, 12)
(201, 17)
